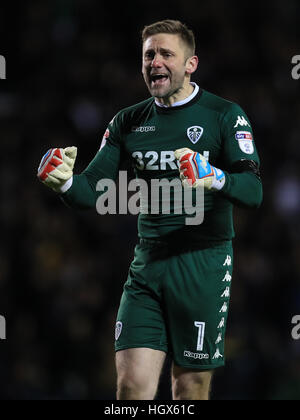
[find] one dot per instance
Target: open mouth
(158, 79)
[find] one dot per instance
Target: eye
(149, 56)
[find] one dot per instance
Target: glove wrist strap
(219, 180)
(66, 186)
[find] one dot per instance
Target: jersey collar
(184, 101)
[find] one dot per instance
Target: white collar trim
(184, 101)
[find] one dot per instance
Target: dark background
(71, 65)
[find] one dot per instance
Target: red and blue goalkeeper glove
(196, 171)
(56, 168)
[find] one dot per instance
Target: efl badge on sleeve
(194, 133)
(245, 140)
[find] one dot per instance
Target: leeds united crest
(194, 133)
(118, 330)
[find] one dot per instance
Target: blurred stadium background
(71, 65)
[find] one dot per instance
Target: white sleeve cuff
(67, 185)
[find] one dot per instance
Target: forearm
(243, 189)
(82, 194)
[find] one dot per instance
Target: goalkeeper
(176, 297)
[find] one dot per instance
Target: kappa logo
(118, 331)
(228, 261)
(224, 308)
(217, 355)
(145, 129)
(194, 133)
(226, 293)
(242, 122)
(219, 339)
(227, 277)
(193, 355)
(222, 324)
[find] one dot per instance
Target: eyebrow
(161, 50)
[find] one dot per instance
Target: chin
(157, 93)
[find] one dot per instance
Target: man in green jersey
(176, 297)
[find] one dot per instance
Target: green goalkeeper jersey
(147, 134)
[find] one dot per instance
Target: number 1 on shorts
(201, 331)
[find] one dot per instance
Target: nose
(156, 62)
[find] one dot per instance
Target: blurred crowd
(71, 65)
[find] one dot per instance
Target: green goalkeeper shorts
(177, 301)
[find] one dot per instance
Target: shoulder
(218, 104)
(132, 112)
(126, 118)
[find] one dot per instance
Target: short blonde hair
(174, 27)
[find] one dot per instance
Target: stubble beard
(168, 93)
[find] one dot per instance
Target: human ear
(192, 64)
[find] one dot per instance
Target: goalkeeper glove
(196, 171)
(56, 168)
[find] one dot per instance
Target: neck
(195, 90)
(182, 93)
